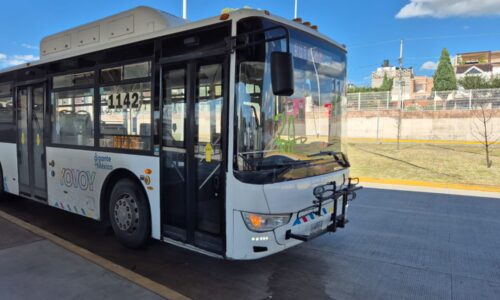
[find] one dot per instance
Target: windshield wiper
(290, 166)
(338, 156)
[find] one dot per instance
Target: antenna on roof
(296, 7)
(184, 9)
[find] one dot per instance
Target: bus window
(126, 72)
(73, 80)
(125, 118)
(174, 108)
(73, 117)
(6, 106)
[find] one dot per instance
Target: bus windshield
(285, 138)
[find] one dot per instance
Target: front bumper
(324, 216)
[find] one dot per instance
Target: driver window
(73, 109)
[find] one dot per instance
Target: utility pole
(401, 84)
(184, 9)
(296, 9)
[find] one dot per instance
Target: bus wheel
(2, 193)
(129, 214)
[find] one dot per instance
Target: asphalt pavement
(397, 245)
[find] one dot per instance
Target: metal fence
(444, 100)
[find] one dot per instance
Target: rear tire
(2, 187)
(129, 214)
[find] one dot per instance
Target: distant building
(413, 87)
(483, 63)
(421, 87)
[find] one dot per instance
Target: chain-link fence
(450, 137)
(443, 100)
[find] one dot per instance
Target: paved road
(398, 245)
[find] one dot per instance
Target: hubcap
(126, 213)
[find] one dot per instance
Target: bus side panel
(8, 160)
(76, 179)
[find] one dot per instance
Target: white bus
(222, 136)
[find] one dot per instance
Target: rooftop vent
(135, 22)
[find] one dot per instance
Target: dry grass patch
(424, 162)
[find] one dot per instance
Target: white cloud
(13, 60)
(449, 8)
(28, 46)
(429, 65)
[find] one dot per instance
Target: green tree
(495, 82)
(444, 77)
(386, 84)
(361, 89)
(472, 82)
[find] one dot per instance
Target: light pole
(296, 7)
(184, 9)
(401, 101)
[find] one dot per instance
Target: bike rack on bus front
(324, 193)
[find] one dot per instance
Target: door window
(174, 108)
(208, 141)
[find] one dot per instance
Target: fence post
(359, 100)
(388, 95)
(470, 99)
(434, 101)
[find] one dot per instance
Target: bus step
(341, 221)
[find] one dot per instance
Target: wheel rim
(126, 213)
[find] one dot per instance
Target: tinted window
(73, 117)
(73, 80)
(131, 71)
(7, 116)
(126, 116)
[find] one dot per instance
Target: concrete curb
(429, 187)
(138, 279)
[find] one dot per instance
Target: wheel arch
(108, 185)
(2, 183)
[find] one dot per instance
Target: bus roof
(138, 24)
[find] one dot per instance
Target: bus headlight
(263, 223)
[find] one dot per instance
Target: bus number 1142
(128, 101)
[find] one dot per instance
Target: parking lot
(399, 245)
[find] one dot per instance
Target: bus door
(30, 141)
(193, 176)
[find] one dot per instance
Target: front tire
(2, 187)
(129, 214)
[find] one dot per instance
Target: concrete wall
(439, 125)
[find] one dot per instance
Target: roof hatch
(131, 23)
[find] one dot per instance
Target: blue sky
(370, 29)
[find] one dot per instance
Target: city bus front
(290, 175)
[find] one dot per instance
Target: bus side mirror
(282, 73)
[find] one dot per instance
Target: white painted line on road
(138, 279)
(424, 189)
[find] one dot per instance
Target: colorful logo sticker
(312, 216)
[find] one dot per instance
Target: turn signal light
(148, 171)
(307, 23)
(314, 27)
(298, 20)
(224, 17)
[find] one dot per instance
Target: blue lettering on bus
(103, 162)
(78, 179)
